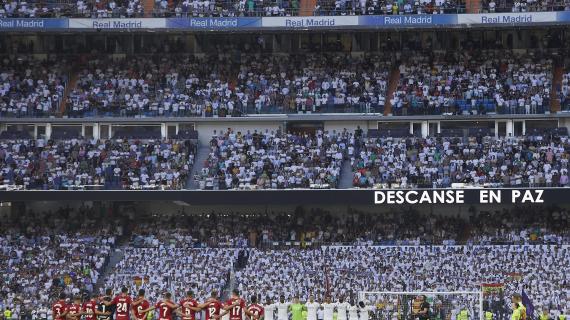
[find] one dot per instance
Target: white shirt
(328, 311)
(269, 311)
(282, 311)
(364, 312)
(353, 313)
(312, 308)
(341, 310)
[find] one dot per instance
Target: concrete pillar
(425, 129)
(48, 130)
(510, 128)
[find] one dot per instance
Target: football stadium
(284, 159)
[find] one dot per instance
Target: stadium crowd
(31, 87)
(440, 162)
(193, 86)
(460, 83)
(72, 8)
(251, 8)
(477, 82)
(173, 269)
(277, 160)
(274, 160)
(226, 8)
(319, 253)
(83, 163)
(45, 253)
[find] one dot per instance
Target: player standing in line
(353, 311)
(90, 308)
(365, 310)
(282, 308)
(74, 311)
(517, 298)
(328, 309)
(297, 309)
(188, 307)
(235, 306)
(140, 304)
(165, 307)
(269, 310)
(122, 303)
(312, 308)
(213, 306)
(341, 307)
(516, 311)
(59, 308)
(254, 310)
(105, 309)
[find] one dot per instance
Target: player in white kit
(312, 308)
(353, 311)
(282, 309)
(365, 310)
(341, 307)
(269, 310)
(328, 309)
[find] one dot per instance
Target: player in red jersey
(254, 310)
(235, 306)
(140, 304)
(122, 304)
(165, 307)
(59, 308)
(90, 308)
(213, 306)
(74, 310)
(188, 307)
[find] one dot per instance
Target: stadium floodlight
(442, 305)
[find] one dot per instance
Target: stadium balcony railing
(460, 107)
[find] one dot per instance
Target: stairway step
(199, 161)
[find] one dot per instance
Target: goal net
(407, 305)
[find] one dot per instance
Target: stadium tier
(274, 160)
(456, 83)
(311, 255)
(284, 160)
(249, 8)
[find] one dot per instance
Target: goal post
(394, 305)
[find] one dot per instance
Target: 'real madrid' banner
(213, 23)
(32, 24)
(491, 20)
(118, 24)
(512, 18)
(310, 22)
(413, 21)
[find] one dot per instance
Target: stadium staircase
(556, 87)
(307, 7)
(148, 7)
(345, 175)
(472, 6)
(392, 86)
(73, 77)
(116, 256)
(199, 162)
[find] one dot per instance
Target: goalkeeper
(516, 311)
